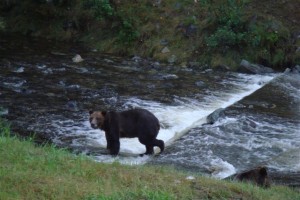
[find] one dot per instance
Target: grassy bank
(212, 33)
(33, 172)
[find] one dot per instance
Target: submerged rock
(213, 117)
(72, 105)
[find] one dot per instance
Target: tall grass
(33, 172)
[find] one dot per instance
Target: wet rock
(200, 84)
(19, 70)
(77, 58)
(72, 105)
(172, 59)
(296, 69)
(213, 117)
(41, 66)
(249, 68)
(111, 101)
(287, 70)
(108, 60)
(258, 176)
(169, 76)
(136, 59)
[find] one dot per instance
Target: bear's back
(135, 120)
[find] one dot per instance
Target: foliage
(235, 30)
(127, 33)
(231, 30)
(101, 8)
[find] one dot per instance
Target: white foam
(221, 169)
(287, 160)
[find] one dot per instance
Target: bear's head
(97, 119)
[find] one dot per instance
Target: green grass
(30, 172)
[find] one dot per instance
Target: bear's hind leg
(149, 149)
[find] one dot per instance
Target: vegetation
(209, 32)
(34, 172)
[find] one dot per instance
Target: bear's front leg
(114, 147)
(108, 141)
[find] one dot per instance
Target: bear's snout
(94, 126)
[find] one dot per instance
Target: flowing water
(43, 92)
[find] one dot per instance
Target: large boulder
(249, 68)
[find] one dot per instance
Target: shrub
(231, 29)
(100, 8)
(127, 33)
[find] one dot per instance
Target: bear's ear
(103, 113)
(91, 112)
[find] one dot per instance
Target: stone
(213, 117)
(249, 68)
(172, 59)
(77, 58)
(200, 84)
(164, 42)
(165, 50)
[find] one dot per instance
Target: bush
(231, 29)
(127, 33)
(234, 29)
(100, 8)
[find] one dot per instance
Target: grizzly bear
(258, 176)
(138, 123)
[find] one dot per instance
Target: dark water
(43, 92)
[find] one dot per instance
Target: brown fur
(258, 176)
(133, 123)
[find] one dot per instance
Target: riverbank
(34, 172)
(200, 34)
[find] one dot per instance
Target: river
(43, 92)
